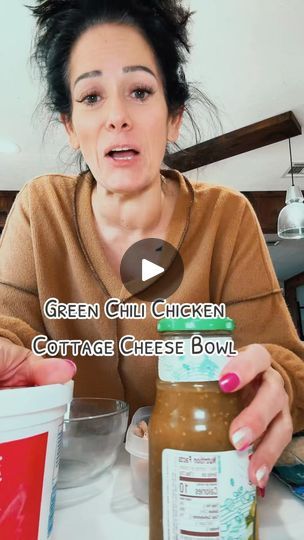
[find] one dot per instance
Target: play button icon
(151, 269)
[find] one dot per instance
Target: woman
(114, 74)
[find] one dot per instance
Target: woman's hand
(20, 367)
(266, 420)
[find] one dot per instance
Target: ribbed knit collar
(90, 240)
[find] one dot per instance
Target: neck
(134, 213)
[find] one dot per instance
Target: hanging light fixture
(291, 217)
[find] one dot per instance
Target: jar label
(190, 367)
(207, 495)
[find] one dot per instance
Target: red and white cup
(31, 421)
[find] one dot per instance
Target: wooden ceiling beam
(269, 131)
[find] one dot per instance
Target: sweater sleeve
(254, 300)
(20, 312)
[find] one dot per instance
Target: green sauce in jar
(199, 483)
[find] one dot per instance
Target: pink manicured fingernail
(71, 364)
(229, 382)
(244, 447)
(261, 492)
(242, 439)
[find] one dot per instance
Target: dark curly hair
(163, 23)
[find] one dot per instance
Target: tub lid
(20, 401)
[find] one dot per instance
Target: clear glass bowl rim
(125, 408)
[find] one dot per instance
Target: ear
(67, 122)
(174, 125)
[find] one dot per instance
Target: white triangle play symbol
(150, 270)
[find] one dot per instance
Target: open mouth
(122, 154)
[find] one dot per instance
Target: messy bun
(163, 23)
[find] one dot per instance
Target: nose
(118, 118)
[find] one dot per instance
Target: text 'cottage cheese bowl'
(93, 433)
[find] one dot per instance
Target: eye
(89, 99)
(142, 93)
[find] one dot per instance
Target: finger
(49, 370)
(270, 448)
(20, 367)
(253, 421)
(244, 367)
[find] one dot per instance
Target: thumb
(49, 370)
(20, 367)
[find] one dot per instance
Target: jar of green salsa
(199, 484)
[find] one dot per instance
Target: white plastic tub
(138, 448)
(30, 439)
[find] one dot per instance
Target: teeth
(121, 149)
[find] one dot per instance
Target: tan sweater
(50, 248)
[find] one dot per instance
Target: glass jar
(199, 484)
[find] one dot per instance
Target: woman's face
(120, 117)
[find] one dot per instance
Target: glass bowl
(93, 432)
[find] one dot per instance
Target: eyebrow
(126, 69)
